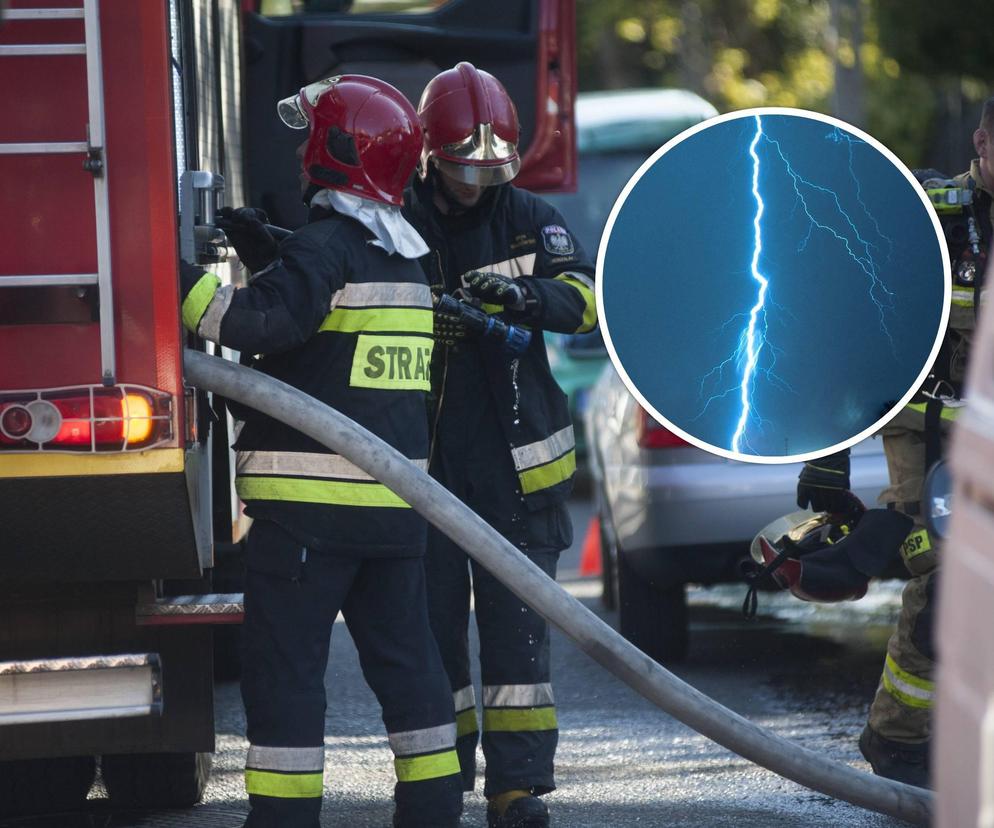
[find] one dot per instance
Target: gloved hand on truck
(245, 228)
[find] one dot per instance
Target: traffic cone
(590, 555)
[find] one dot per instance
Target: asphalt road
(807, 673)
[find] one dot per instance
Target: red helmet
(470, 126)
(365, 136)
(828, 557)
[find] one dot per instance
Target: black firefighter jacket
(343, 321)
(515, 233)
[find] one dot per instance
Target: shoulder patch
(557, 240)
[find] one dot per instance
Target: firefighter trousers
(902, 708)
(520, 732)
(292, 598)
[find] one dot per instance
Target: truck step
(217, 608)
(76, 689)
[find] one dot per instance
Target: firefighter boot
(517, 809)
(900, 761)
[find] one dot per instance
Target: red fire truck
(126, 122)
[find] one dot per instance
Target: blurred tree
(898, 68)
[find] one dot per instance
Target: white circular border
(734, 116)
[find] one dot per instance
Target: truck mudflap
(79, 689)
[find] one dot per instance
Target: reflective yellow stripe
(284, 785)
(917, 543)
(466, 722)
(419, 768)
(542, 477)
(198, 299)
(392, 363)
(486, 307)
(908, 689)
(402, 320)
(589, 302)
(154, 461)
(333, 492)
(518, 719)
(949, 412)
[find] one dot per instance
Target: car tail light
(652, 435)
(85, 418)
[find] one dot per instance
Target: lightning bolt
(858, 249)
(752, 341)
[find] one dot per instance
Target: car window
(282, 8)
(600, 180)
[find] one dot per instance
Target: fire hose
(605, 646)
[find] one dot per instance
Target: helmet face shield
(291, 113)
(482, 158)
(483, 145)
(293, 109)
(480, 175)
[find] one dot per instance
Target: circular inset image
(773, 285)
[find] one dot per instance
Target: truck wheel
(44, 786)
(155, 780)
(654, 620)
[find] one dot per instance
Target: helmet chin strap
(311, 191)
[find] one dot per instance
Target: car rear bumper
(688, 503)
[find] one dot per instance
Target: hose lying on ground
(545, 596)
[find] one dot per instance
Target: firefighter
(502, 440)
(896, 738)
(341, 310)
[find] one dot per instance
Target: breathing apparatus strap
(751, 602)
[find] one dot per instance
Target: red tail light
(85, 418)
(652, 435)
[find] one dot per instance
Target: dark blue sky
(677, 271)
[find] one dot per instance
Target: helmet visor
(293, 110)
(292, 113)
(480, 175)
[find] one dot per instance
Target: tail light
(85, 418)
(652, 435)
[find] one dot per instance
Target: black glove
(450, 326)
(495, 289)
(824, 484)
(189, 275)
(246, 230)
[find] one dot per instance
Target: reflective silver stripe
(210, 322)
(285, 759)
(304, 464)
(544, 451)
(426, 740)
(518, 695)
(464, 698)
(580, 277)
(512, 268)
(382, 294)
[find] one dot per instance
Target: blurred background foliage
(912, 73)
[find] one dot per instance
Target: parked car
(672, 514)
(576, 361)
(616, 131)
